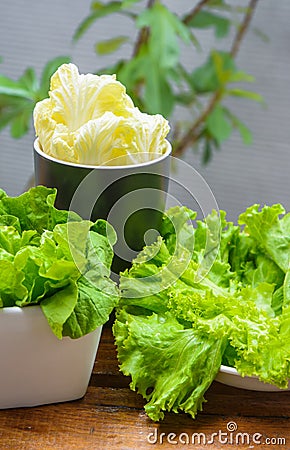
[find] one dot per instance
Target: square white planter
(36, 367)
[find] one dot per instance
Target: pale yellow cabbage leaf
(89, 119)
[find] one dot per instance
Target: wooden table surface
(111, 416)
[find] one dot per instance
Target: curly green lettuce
(181, 317)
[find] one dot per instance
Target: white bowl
(36, 367)
(230, 376)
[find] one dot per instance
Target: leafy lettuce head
(89, 119)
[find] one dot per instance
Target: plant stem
(243, 27)
(188, 18)
(194, 132)
(143, 34)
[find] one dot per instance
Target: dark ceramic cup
(130, 197)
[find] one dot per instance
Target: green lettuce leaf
(57, 260)
(58, 307)
(11, 287)
(31, 208)
(206, 292)
(171, 367)
(269, 231)
(97, 297)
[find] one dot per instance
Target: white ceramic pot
(36, 367)
(230, 376)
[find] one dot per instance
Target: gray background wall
(33, 31)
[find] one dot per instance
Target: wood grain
(111, 416)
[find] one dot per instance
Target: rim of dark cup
(37, 148)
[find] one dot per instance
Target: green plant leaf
(128, 3)
(10, 107)
(29, 80)
(96, 300)
(261, 34)
(110, 45)
(195, 41)
(207, 152)
(172, 381)
(245, 94)
(96, 5)
(206, 19)
(162, 44)
(61, 264)
(239, 76)
(133, 71)
(186, 76)
(184, 98)
(224, 66)
(25, 87)
(18, 98)
(165, 27)
(17, 102)
(18, 112)
(158, 96)
(161, 53)
(270, 231)
(21, 123)
(58, 307)
(230, 303)
(214, 73)
(244, 131)
(99, 10)
(13, 88)
(5, 118)
(218, 125)
(180, 28)
(113, 69)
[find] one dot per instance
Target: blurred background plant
(155, 76)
